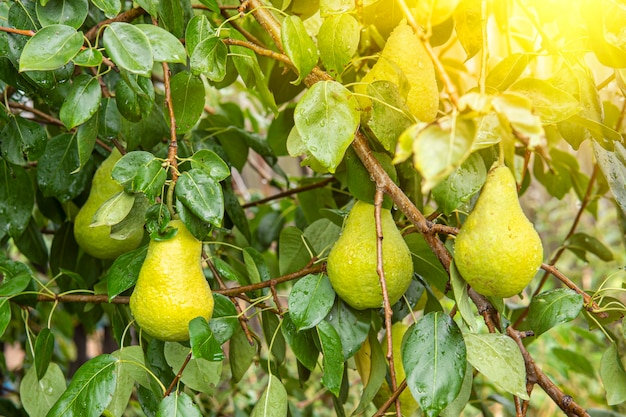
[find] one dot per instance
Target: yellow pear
(405, 58)
(97, 241)
(351, 264)
(497, 250)
(171, 289)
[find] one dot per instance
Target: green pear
(351, 265)
(96, 240)
(171, 289)
(497, 250)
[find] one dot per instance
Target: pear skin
(497, 250)
(351, 265)
(171, 289)
(96, 241)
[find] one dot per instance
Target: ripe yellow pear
(497, 250)
(97, 241)
(171, 289)
(405, 58)
(351, 265)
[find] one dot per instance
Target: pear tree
(313, 208)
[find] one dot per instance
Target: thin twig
(49, 119)
(259, 50)
(290, 192)
(178, 376)
(378, 202)
(535, 375)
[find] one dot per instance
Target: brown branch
(290, 192)
(127, 16)
(259, 50)
(392, 399)
(25, 32)
(46, 117)
(535, 375)
(235, 291)
(265, 19)
(246, 34)
(380, 270)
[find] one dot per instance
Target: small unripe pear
(171, 289)
(497, 250)
(351, 265)
(96, 241)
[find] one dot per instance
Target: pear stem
(378, 202)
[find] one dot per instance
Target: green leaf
(332, 364)
(468, 26)
(203, 343)
(338, 40)
(613, 376)
(17, 199)
(352, 326)
(187, 100)
(553, 307)
(124, 272)
(299, 46)
(390, 115)
(202, 194)
(82, 101)
(498, 358)
(461, 296)
(456, 407)
(224, 321)
(507, 71)
(574, 361)
(461, 185)
(425, 262)
(581, 243)
(110, 8)
(292, 250)
(140, 172)
(38, 395)
(178, 404)
(241, 354)
(16, 277)
(128, 370)
(552, 104)
(271, 330)
(44, 347)
(433, 356)
(439, 148)
(614, 169)
(211, 163)
(50, 48)
(5, 314)
(273, 401)
(198, 29)
(22, 137)
(56, 170)
(66, 12)
(301, 342)
(129, 48)
(516, 113)
(326, 118)
(209, 58)
(90, 390)
(310, 300)
(31, 244)
(113, 210)
(165, 46)
(134, 96)
(199, 374)
(90, 57)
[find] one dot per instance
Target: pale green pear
(96, 240)
(351, 265)
(171, 289)
(497, 250)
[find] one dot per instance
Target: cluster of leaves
(80, 77)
